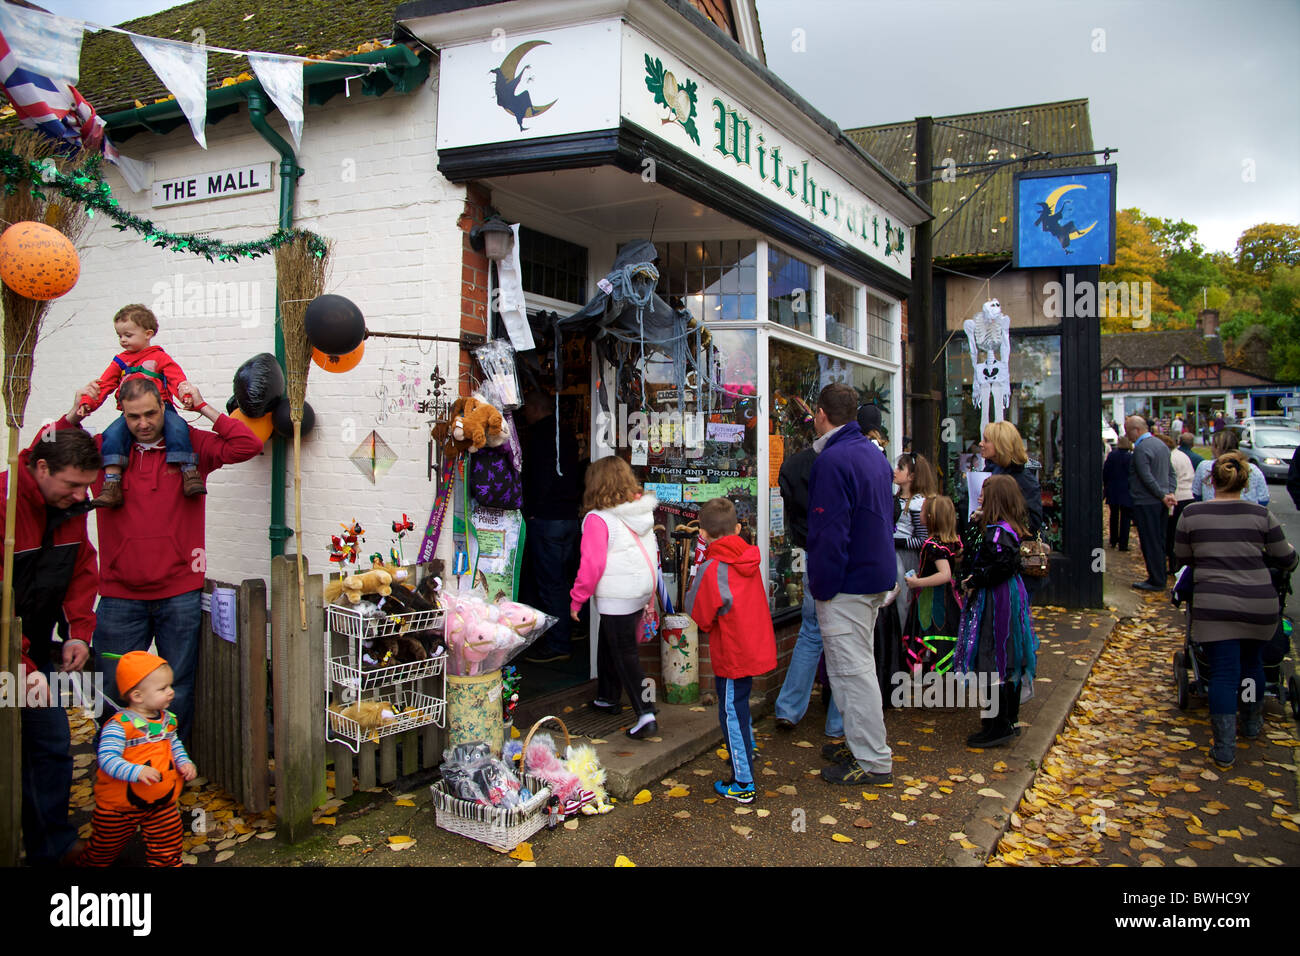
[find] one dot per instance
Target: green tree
(1263, 248)
(1138, 258)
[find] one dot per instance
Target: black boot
(999, 729)
(1012, 704)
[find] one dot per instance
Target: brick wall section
(473, 276)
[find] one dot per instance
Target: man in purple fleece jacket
(850, 569)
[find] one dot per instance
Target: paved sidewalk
(1129, 781)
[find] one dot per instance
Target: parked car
(1270, 447)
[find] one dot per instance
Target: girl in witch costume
(996, 638)
(930, 635)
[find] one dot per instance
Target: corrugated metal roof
(114, 74)
(982, 227)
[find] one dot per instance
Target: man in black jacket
(1151, 483)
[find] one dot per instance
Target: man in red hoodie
(728, 601)
(153, 556)
(55, 580)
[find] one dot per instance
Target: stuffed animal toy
(391, 651)
(475, 423)
(369, 714)
(519, 616)
(582, 760)
(541, 761)
(352, 587)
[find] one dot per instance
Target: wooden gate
(229, 740)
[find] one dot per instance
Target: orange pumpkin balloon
(339, 363)
(37, 261)
(261, 427)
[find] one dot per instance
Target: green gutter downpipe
(289, 173)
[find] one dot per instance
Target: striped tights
(113, 828)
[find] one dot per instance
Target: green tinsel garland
(86, 185)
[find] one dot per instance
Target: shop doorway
(555, 422)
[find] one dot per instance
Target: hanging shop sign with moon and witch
(1064, 217)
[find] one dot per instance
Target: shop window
(791, 291)
(552, 267)
(880, 328)
(717, 280)
(841, 313)
(705, 447)
(1034, 408)
(797, 377)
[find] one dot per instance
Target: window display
(797, 376)
(1034, 408)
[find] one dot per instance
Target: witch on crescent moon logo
(1052, 213)
(508, 77)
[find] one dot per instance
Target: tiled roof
(114, 74)
(1138, 350)
(982, 227)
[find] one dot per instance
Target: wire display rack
(414, 692)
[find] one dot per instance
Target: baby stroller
(1191, 666)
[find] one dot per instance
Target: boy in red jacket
(728, 601)
(140, 358)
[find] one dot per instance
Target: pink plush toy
(519, 616)
(541, 761)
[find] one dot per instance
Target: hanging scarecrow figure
(989, 332)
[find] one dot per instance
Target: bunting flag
(51, 45)
(55, 107)
(183, 68)
(282, 80)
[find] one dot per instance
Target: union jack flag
(58, 110)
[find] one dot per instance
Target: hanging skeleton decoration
(989, 332)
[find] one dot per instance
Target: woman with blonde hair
(1222, 443)
(1004, 449)
(619, 569)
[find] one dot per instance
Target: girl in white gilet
(619, 568)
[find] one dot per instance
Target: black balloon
(259, 384)
(334, 325)
(283, 423)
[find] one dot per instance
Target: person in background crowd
(792, 702)
(1176, 426)
(1183, 475)
(1114, 480)
(551, 498)
(1151, 483)
(916, 483)
(1223, 443)
(1293, 478)
(1005, 452)
(1186, 441)
(850, 568)
(1230, 544)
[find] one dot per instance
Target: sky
(1201, 98)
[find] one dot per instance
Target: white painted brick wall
(397, 254)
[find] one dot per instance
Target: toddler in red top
(728, 601)
(136, 326)
(141, 765)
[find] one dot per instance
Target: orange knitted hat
(134, 667)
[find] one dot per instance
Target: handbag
(651, 616)
(493, 480)
(1035, 555)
